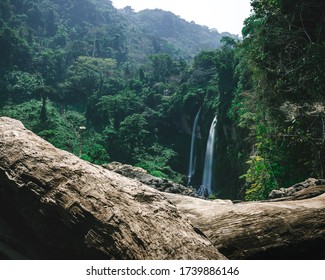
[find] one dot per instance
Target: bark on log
(260, 230)
(70, 209)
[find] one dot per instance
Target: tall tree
(284, 46)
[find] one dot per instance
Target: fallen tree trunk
(260, 230)
(70, 209)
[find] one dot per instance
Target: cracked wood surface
(72, 209)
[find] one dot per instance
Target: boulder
(309, 188)
(54, 205)
(260, 230)
(142, 176)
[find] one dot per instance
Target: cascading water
(206, 186)
(191, 167)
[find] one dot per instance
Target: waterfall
(191, 167)
(206, 186)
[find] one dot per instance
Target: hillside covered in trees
(115, 85)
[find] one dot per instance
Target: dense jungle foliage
(115, 85)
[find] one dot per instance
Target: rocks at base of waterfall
(144, 177)
(307, 189)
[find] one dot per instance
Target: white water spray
(191, 167)
(206, 186)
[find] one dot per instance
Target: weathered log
(260, 230)
(70, 209)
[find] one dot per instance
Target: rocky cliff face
(54, 205)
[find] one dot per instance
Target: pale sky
(224, 15)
